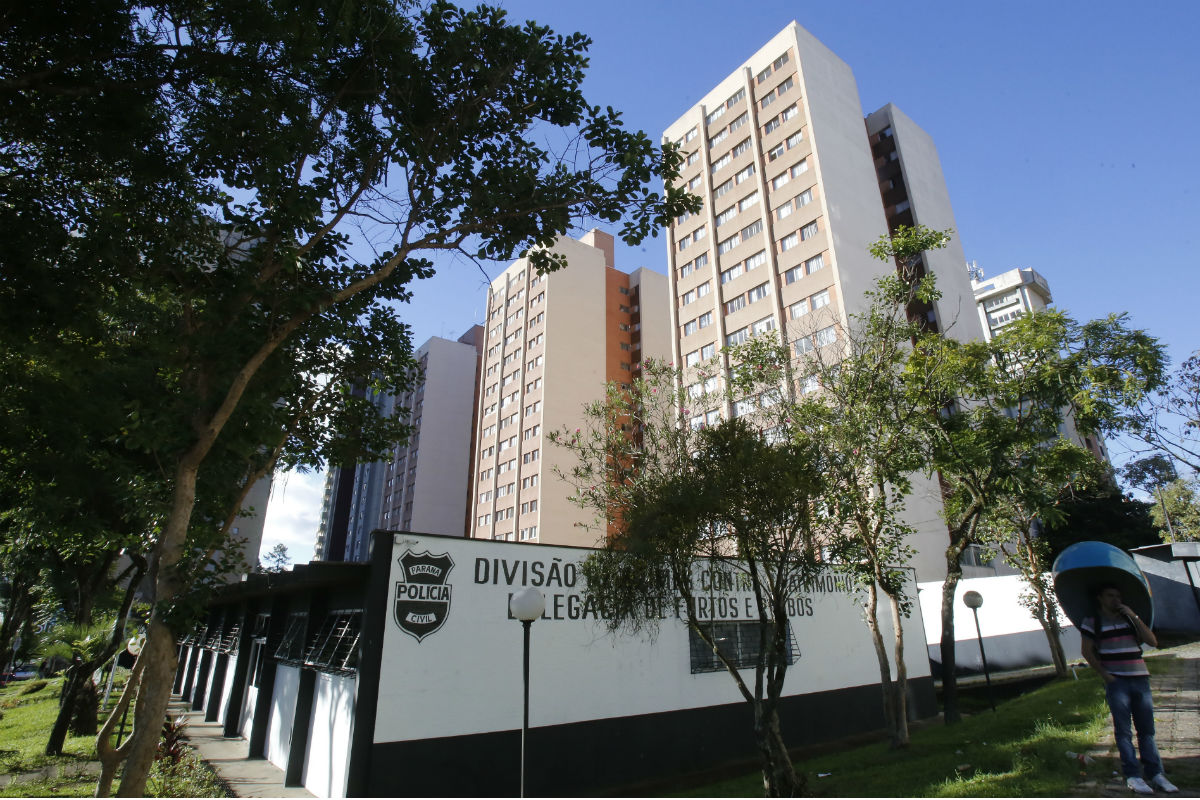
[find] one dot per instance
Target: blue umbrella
(1085, 566)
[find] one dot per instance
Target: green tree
(1177, 514)
(675, 499)
(276, 559)
(1167, 421)
(992, 407)
(1100, 512)
(198, 183)
(869, 423)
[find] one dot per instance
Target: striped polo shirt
(1117, 647)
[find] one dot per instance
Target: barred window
(291, 647)
(737, 641)
(335, 647)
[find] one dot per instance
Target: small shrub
(171, 747)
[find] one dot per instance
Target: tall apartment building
(797, 185)
(427, 485)
(1009, 295)
(552, 344)
(424, 486)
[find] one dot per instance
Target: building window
(775, 152)
(756, 260)
(724, 188)
(808, 231)
(820, 299)
(799, 168)
(825, 336)
(530, 506)
(737, 337)
(751, 230)
(693, 157)
(798, 310)
(335, 647)
(725, 245)
(742, 119)
(532, 455)
(735, 98)
(736, 304)
(716, 140)
(529, 481)
(744, 174)
(687, 137)
(715, 115)
(708, 351)
(689, 327)
(780, 180)
(726, 215)
(788, 242)
(784, 211)
(795, 139)
(758, 293)
(529, 533)
(705, 319)
(741, 147)
(692, 358)
(738, 642)
(721, 162)
(764, 325)
(732, 272)
(813, 264)
(703, 289)
(748, 201)
(789, 112)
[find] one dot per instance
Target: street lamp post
(974, 600)
(526, 605)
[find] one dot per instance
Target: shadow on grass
(1018, 751)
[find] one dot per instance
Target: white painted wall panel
(329, 735)
(465, 677)
(283, 711)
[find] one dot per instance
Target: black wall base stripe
(589, 757)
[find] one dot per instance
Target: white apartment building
(796, 186)
(426, 486)
(552, 343)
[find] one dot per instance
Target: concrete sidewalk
(1177, 729)
(244, 776)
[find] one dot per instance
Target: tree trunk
(158, 675)
(159, 651)
(779, 776)
(111, 757)
(949, 679)
(72, 683)
(885, 669)
(900, 737)
(84, 714)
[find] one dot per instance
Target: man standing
(1112, 646)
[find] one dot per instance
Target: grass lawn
(25, 727)
(1018, 751)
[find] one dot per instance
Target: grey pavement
(1177, 729)
(245, 777)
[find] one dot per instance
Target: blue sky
(1067, 133)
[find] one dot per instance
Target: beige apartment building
(552, 343)
(797, 184)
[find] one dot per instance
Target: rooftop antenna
(974, 271)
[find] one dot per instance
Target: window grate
(229, 642)
(335, 647)
(737, 641)
(291, 647)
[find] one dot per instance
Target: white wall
(465, 677)
(1012, 635)
(283, 710)
(227, 687)
(329, 735)
(248, 708)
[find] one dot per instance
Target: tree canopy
(221, 206)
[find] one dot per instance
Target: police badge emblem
(423, 597)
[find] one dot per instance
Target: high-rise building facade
(552, 344)
(427, 484)
(424, 485)
(797, 184)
